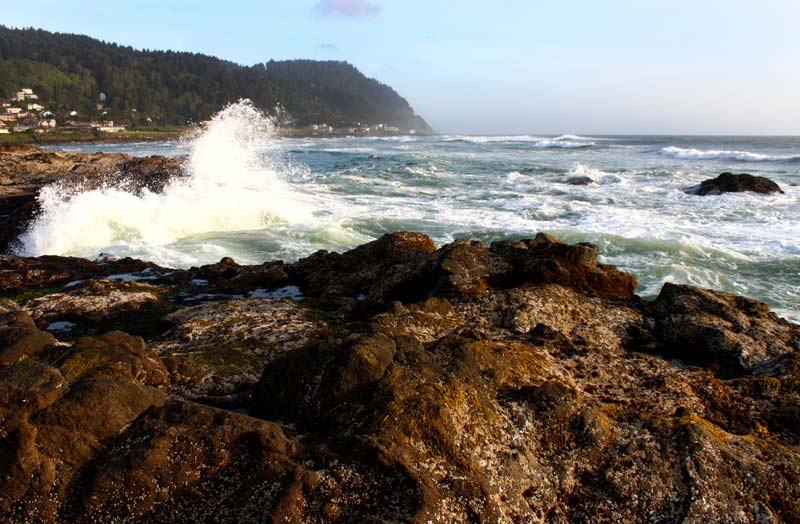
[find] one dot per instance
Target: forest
(145, 87)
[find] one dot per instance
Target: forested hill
(79, 73)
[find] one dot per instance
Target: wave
(562, 143)
(233, 184)
(597, 175)
(720, 154)
(487, 139)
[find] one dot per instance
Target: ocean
(256, 197)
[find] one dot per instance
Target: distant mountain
(75, 72)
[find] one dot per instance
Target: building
(25, 94)
(49, 123)
(3, 128)
(13, 110)
(35, 107)
(108, 127)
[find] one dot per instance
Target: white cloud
(347, 8)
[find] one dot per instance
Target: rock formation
(517, 382)
(731, 183)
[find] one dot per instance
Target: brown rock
(734, 332)
(20, 338)
(113, 355)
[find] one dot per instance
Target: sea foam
(232, 185)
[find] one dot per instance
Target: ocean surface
(256, 197)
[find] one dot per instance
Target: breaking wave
(232, 185)
(716, 154)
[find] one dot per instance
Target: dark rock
(547, 260)
(731, 183)
(579, 181)
(734, 332)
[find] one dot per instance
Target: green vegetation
(143, 88)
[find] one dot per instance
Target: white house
(13, 110)
(3, 129)
(35, 107)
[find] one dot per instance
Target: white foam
(232, 186)
(721, 154)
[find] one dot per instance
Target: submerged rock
(731, 183)
(579, 181)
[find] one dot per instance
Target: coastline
(157, 135)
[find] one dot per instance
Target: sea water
(255, 197)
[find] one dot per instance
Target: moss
(78, 363)
(31, 294)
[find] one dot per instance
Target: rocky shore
(397, 382)
(521, 381)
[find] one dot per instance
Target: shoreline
(165, 135)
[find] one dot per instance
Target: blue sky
(614, 66)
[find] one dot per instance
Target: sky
(499, 67)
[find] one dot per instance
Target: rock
(546, 260)
(113, 355)
(374, 270)
(20, 338)
(217, 351)
(731, 183)
(30, 274)
(370, 277)
(734, 332)
(97, 300)
(519, 382)
(579, 181)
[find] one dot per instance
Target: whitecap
(721, 154)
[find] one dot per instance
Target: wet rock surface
(736, 183)
(517, 382)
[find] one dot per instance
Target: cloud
(347, 8)
(325, 46)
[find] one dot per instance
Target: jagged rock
(374, 270)
(704, 326)
(547, 260)
(731, 183)
(521, 382)
(404, 267)
(496, 422)
(227, 276)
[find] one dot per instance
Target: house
(3, 129)
(35, 107)
(108, 127)
(25, 94)
(8, 118)
(13, 110)
(73, 113)
(49, 123)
